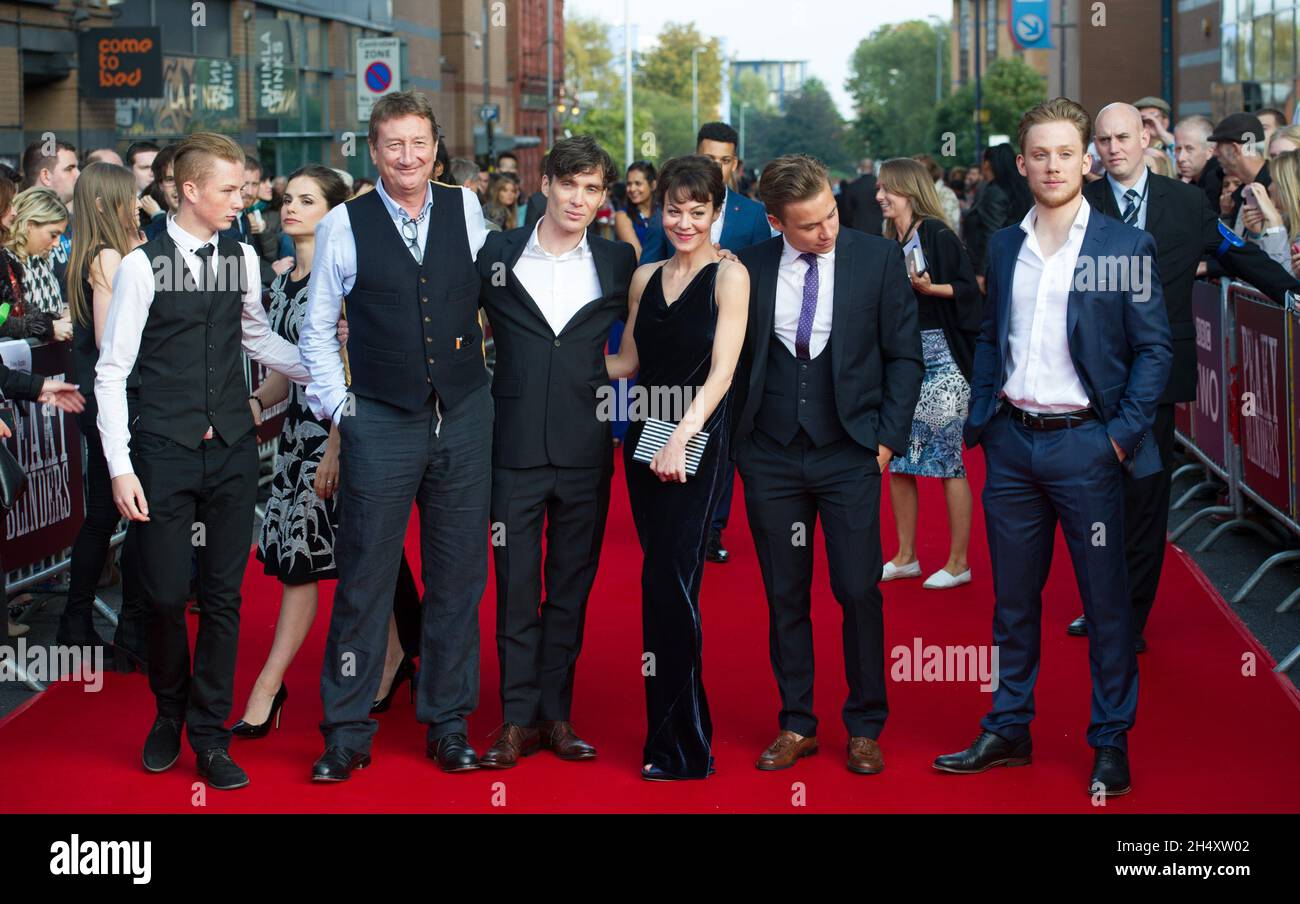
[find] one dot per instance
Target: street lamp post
(627, 82)
(695, 89)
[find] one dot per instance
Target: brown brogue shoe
(513, 742)
(865, 756)
(785, 751)
(560, 738)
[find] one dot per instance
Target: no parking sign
(378, 72)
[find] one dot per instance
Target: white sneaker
(893, 572)
(944, 580)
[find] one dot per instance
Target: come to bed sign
(378, 72)
(120, 62)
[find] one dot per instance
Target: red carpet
(1208, 739)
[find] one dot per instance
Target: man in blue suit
(743, 222)
(1073, 357)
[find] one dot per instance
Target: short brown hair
(931, 166)
(693, 177)
(789, 179)
(1060, 109)
(196, 154)
(397, 105)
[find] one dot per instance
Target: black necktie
(1134, 204)
(205, 270)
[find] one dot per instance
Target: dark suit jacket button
(557, 343)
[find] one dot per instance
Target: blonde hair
(910, 179)
(196, 154)
(104, 199)
(1059, 109)
(1285, 171)
(790, 179)
(1290, 133)
(34, 206)
(1162, 164)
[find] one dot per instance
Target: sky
(824, 32)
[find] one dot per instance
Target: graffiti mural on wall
(198, 93)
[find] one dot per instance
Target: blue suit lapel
(733, 224)
(1094, 240)
(1006, 276)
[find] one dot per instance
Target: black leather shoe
(989, 750)
(453, 753)
(1109, 772)
(1140, 645)
(715, 552)
(220, 770)
(336, 764)
(1078, 627)
(163, 746)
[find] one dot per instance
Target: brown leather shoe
(564, 741)
(513, 742)
(785, 751)
(865, 756)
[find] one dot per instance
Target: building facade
(782, 77)
(304, 109)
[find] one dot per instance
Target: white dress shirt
(560, 284)
(789, 299)
(333, 274)
(1141, 187)
(133, 294)
(1040, 372)
(715, 231)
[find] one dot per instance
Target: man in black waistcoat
(416, 428)
(551, 293)
(183, 305)
(825, 390)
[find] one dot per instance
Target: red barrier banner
(47, 443)
(1183, 419)
(1206, 413)
(1264, 403)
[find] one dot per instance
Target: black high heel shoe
(244, 729)
(405, 672)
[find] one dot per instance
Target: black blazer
(961, 315)
(1186, 229)
(875, 345)
(547, 387)
(536, 208)
(860, 209)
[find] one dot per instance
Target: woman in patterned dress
(948, 313)
(297, 541)
(36, 309)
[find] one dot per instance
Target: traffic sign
(489, 112)
(378, 72)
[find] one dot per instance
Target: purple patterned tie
(803, 334)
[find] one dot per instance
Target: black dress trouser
(199, 499)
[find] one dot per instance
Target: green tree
(588, 59)
(810, 125)
(667, 68)
(892, 82)
(1008, 89)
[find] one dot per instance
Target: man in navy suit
(1073, 357)
(743, 222)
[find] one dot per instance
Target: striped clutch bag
(655, 436)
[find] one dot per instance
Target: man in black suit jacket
(1186, 229)
(825, 390)
(551, 293)
(860, 209)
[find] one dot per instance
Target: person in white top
(189, 479)
(1069, 367)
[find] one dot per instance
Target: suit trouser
(786, 489)
(538, 641)
(722, 512)
(391, 458)
(198, 499)
(1146, 521)
(1035, 479)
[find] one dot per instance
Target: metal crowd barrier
(1245, 422)
(53, 360)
